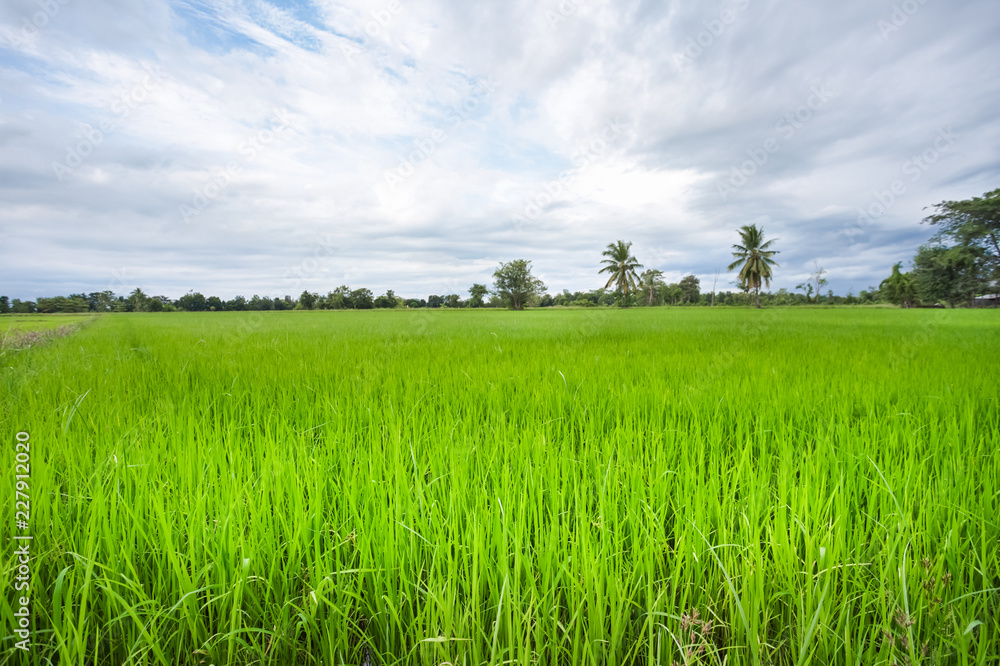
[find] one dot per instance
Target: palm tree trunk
(757, 290)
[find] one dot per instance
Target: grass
(654, 486)
(38, 322)
(19, 332)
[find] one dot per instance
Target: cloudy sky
(255, 146)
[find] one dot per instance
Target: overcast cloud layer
(245, 146)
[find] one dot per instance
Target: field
(650, 486)
(11, 323)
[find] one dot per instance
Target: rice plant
(651, 486)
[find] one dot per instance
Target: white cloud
(365, 83)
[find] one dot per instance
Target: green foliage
(948, 274)
(57, 304)
(621, 265)
(193, 302)
(362, 299)
(237, 304)
(477, 293)
(671, 293)
(649, 285)
(815, 283)
(515, 285)
(387, 300)
(573, 487)
(973, 224)
(689, 287)
(753, 256)
(899, 288)
(307, 300)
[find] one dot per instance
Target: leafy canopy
(515, 285)
(973, 224)
(899, 288)
(755, 256)
(621, 265)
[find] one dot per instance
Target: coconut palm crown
(755, 256)
(621, 264)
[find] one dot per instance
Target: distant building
(986, 301)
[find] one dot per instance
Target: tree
(138, 301)
(949, 274)
(452, 301)
(4, 305)
(307, 300)
(814, 279)
(972, 223)
(339, 298)
(193, 302)
(258, 303)
(101, 301)
(690, 289)
(671, 293)
(478, 292)
(621, 265)
(514, 284)
(899, 288)
(386, 300)
(238, 303)
(869, 295)
(362, 299)
(435, 301)
(755, 256)
(650, 282)
(782, 297)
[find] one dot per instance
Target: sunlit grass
(577, 487)
(19, 322)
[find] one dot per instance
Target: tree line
(652, 292)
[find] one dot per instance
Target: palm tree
(651, 281)
(621, 265)
(755, 257)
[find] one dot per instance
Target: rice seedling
(657, 486)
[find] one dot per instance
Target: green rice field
(22, 322)
(594, 486)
